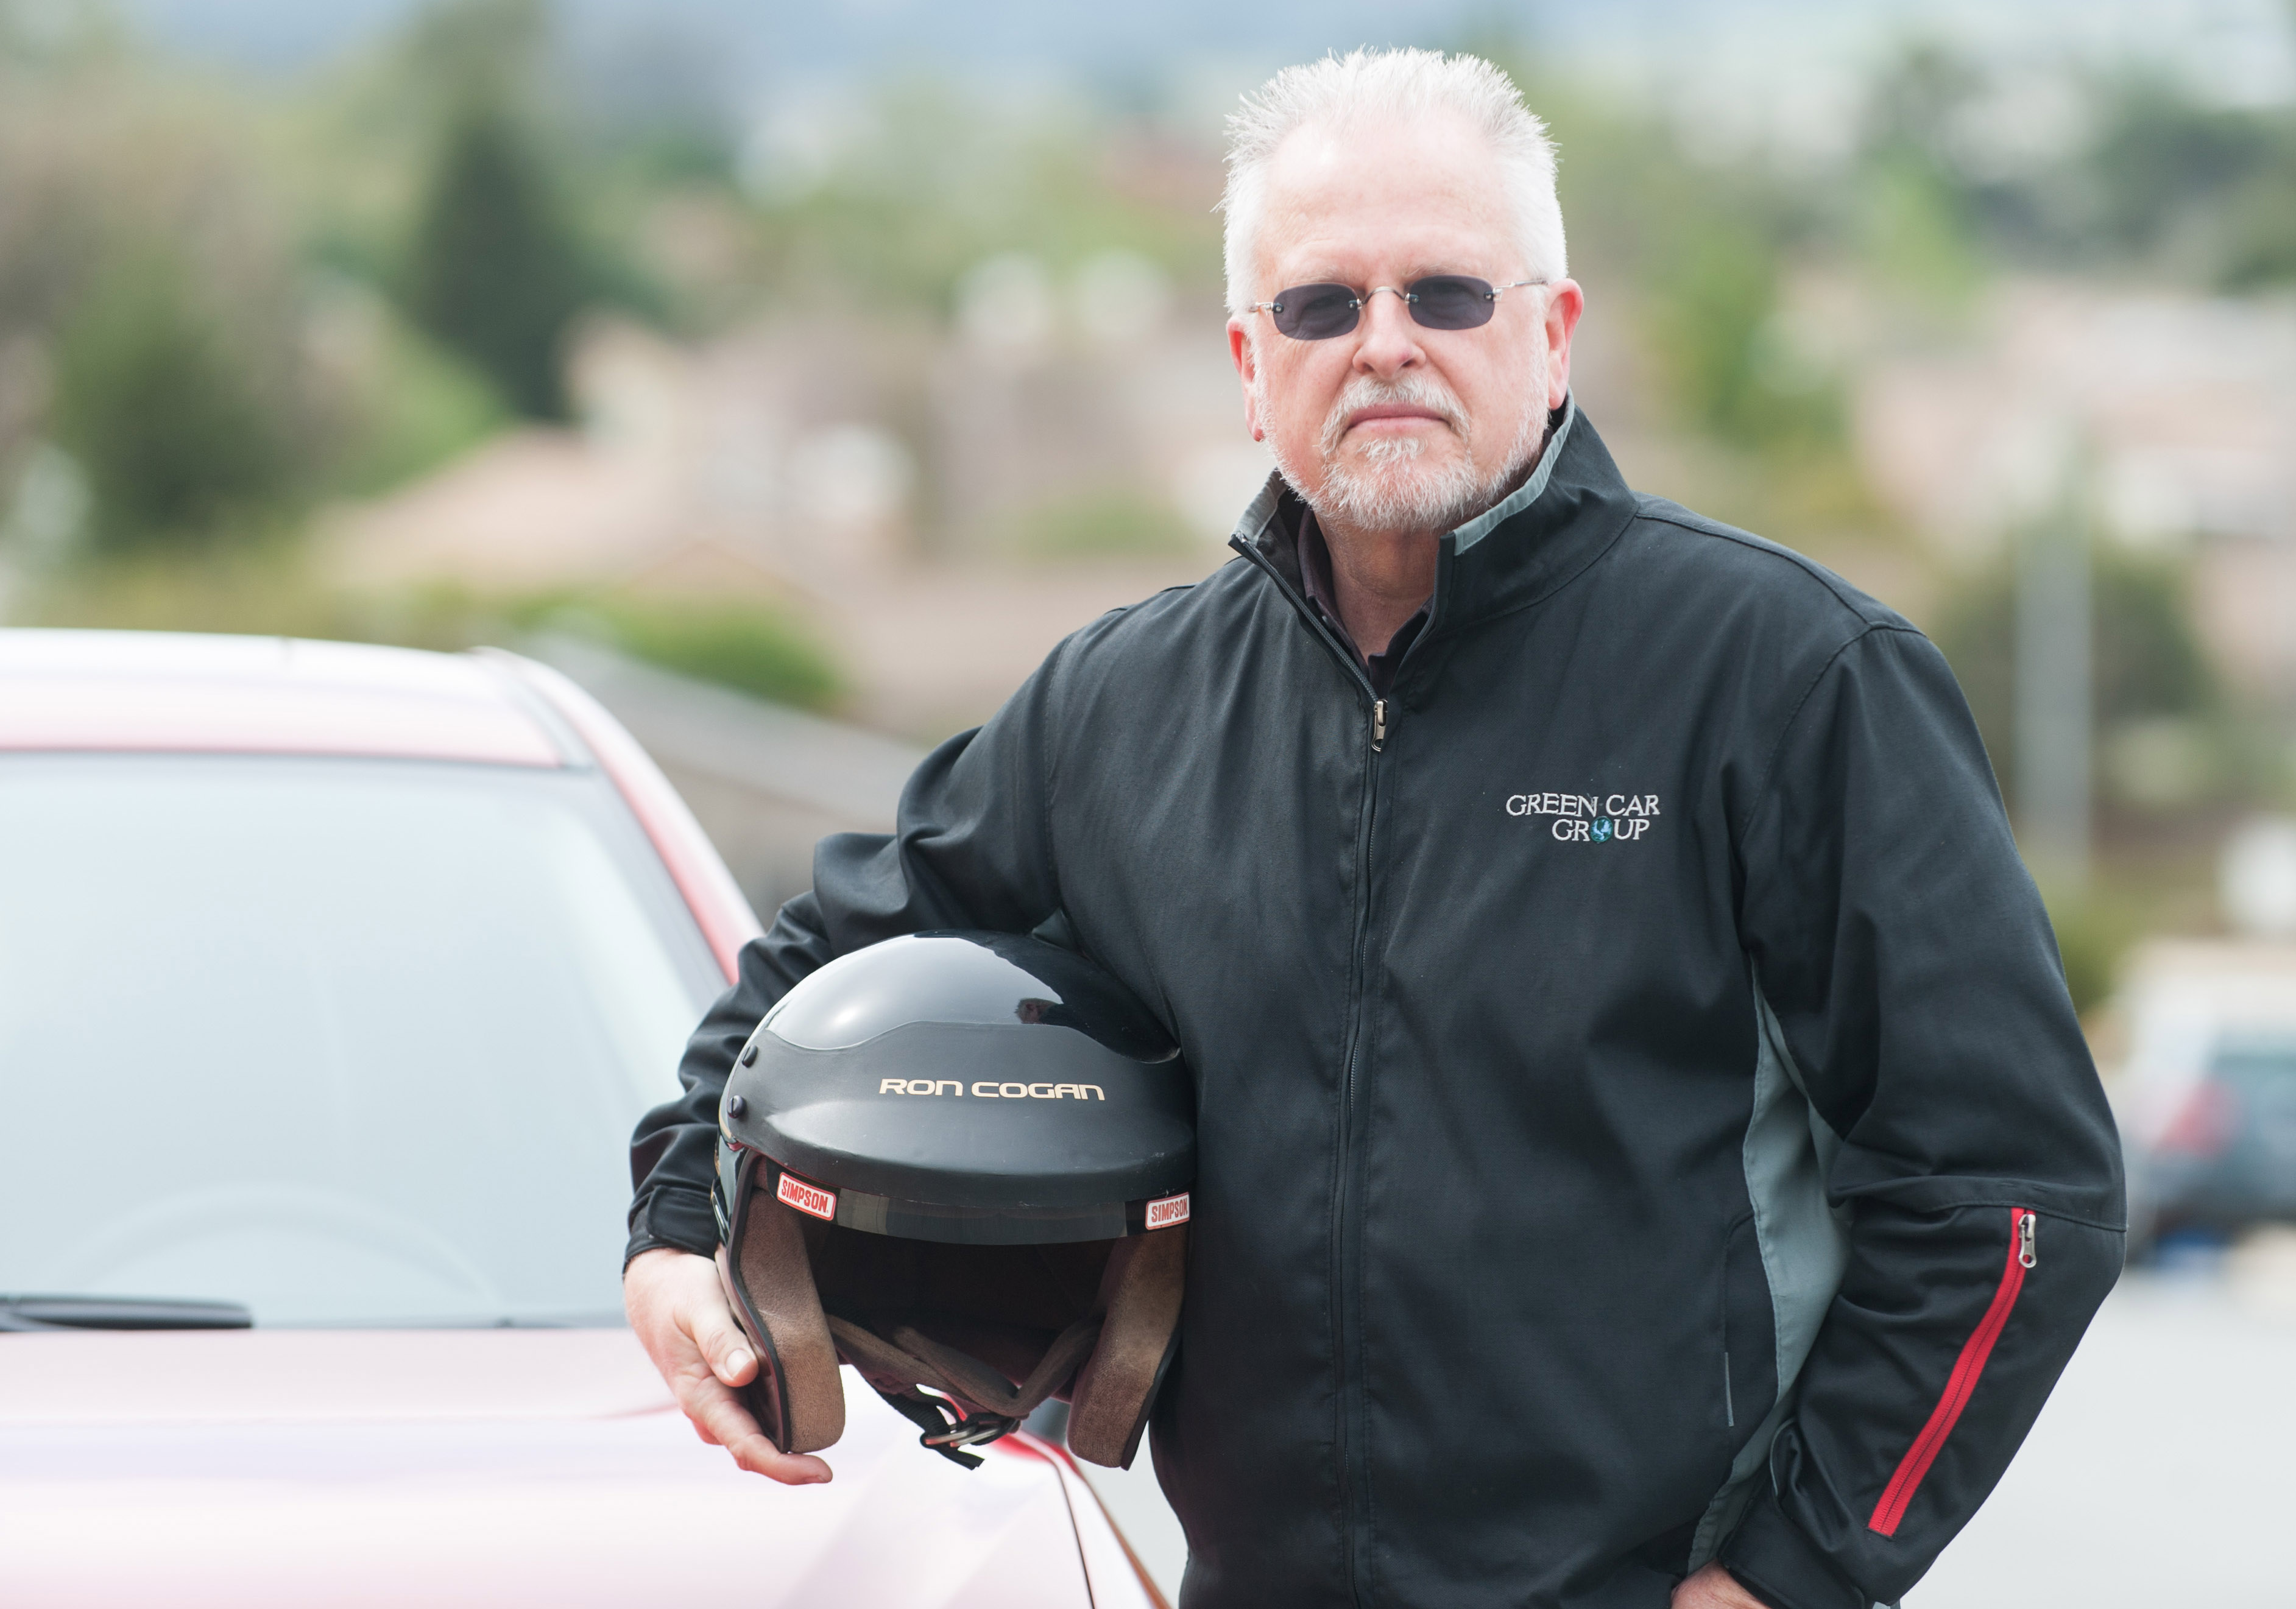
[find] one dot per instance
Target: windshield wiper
(119, 1312)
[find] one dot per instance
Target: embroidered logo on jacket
(1585, 817)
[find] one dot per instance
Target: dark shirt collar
(1555, 524)
(1316, 580)
(1315, 555)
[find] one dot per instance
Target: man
(1647, 1153)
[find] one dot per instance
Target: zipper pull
(2025, 1240)
(1378, 723)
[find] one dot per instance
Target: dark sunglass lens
(1452, 301)
(1315, 313)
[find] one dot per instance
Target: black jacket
(1640, 1116)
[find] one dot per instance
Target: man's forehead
(1429, 189)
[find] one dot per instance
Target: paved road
(2158, 1476)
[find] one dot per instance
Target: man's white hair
(1366, 85)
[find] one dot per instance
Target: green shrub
(2095, 926)
(420, 406)
(1114, 523)
(750, 648)
(176, 430)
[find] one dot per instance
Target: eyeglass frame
(1363, 300)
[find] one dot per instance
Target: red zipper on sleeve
(1961, 1384)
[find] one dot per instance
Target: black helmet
(960, 1163)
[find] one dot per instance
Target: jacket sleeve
(1916, 985)
(970, 849)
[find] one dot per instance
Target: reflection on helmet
(961, 1164)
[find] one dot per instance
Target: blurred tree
(495, 273)
(406, 403)
(2264, 247)
(2203, 191)
(1717, 321)
(174, 427)
(2147, 657)
(2260, 244)
(1695, 243)
(43, 35)
(899, 200)
(1917, 210)
(2162, 161)
(497, 270)
(1918, 102)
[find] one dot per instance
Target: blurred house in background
(753, 463)
(1067, 417)
(849, 361)
(1080, 446)
(2171, 416)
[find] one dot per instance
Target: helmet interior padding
(797, 1397)
(1140, 1295)
(994, 1329)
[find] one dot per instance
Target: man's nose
(1390, 343)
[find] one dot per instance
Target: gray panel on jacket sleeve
(1805, 1248)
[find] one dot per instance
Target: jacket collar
(1557, 440)
(1553, 526)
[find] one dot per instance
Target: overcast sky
(2240, 48)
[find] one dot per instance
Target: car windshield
(348, 1041)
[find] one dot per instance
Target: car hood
(494, 1467)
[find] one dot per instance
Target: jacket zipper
(1342, 1196)
(1962, 1383)
(1324, 633)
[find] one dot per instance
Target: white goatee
(1384, 484)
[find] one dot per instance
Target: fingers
(720, 1419)
(678, 1309)
(715, 1332)
(717, 1413)
(789, 1469)
(760, 1457)
(1713, 1588)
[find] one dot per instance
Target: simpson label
(808, 1197)
(1171, 1210)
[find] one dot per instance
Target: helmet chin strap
(971, 1403)
(944, 1435)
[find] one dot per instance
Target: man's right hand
(678, 1309)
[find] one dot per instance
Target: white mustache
(1410, 391)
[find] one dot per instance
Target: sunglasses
(1440, 301)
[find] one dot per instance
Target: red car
(332, 981)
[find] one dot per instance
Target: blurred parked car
(2207, 1098)
(2228, 1159)
(332, 980)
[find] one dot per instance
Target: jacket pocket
(1750, 1346)
(1967, 1370)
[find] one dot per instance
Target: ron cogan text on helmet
(989, 1090)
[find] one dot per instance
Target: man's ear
(1565, 301)
(1247, 370)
